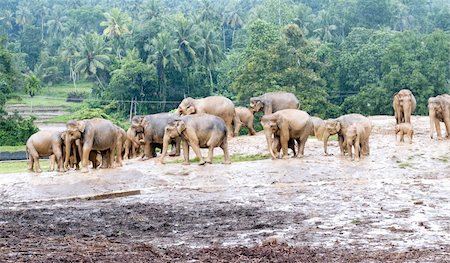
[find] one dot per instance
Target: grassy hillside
(55, 95)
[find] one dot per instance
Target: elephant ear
(81, 126)
(181, 126)
(280, 122)
(338, 126)
(63, 135)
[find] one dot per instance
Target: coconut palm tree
(7, 19)
(163, 54)
(56, 24)
(209, 51)
(117, 25)
(92, 55)
(69, 54)
(234, 22)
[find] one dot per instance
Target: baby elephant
(198, 131)
(353, 138)
(402, 129)
(245, 117)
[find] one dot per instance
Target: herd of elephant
(208, 123)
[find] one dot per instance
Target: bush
(15, 130)
(89, 113)
(75, 96)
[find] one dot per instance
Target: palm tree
(69, 54)
(209, 51)
(325, 28)
(234, 22)
(92, 55)
(163, 55)
(116, 24)
(56, 24)
(23, 15)
(7, 18)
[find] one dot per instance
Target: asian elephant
(120, 146)
(246, 118)
(319, 127)
(404, 105)
(353, 139)
(152, 126)
(402, 129)
(215, 105)
(43, 144)
(277, 146)
(439, 111)
(285, 125)
(274, 101)
(198, 131)
(131, 147)
(340, 125)
(95, 134)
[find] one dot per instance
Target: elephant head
(256, 104)
(352, 138)
(136, 129)
(271, 124)
(172, 130)
(186, 107)
(332, 126)
(75, 129)
(72, 140)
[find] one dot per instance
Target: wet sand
(392, 206)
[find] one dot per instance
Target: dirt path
(390, 206)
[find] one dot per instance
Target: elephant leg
(276, 146)
(197, 152)
(147, 151)
(226, 155)
(237, 128)
(284, 147)
(112, 164)
(438, 129)
(210, 154)
(175, 148)
(229, 128)
(85, 158)
(301, 147)
(58, 158)
(186, 152)
(36, 164)
(341, 144)
(402, 135)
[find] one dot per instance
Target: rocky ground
(392, 206)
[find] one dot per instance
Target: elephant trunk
(166, 140)
(68, 144)
(134, 137)
(407, 112)
(269, 140)
(325, 137)
(432, 118)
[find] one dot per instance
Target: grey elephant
(404, 104)
(120, 145)
(285, 125)
(340, 125)
(274, 101)
(215, 105)
(43, 144)
(354, 136)
(152, 126)
(319, 127)
(246, 119)
(404, 129)
(439, 111)
(198, 131)
(95, 134)
(132, 148)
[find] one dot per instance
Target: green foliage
(32, 85)
(15, 130)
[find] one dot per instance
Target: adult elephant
(404, 105)
(215, 105)
(198, 131)
(285, 125)
(95, 134)
(246, 118)
(274, 101)
(152, 126)
(439, 111)
(43, 144)
(340, 126)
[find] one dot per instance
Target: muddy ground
(393, 206)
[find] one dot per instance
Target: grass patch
(235, 158)
(356, 222)
(21, 166)
(443, 158)
(18, 148)
(55, 95)
(404, 165)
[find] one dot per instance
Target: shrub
(15, 130)
(75, 96)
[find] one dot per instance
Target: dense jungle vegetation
(337, 56)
